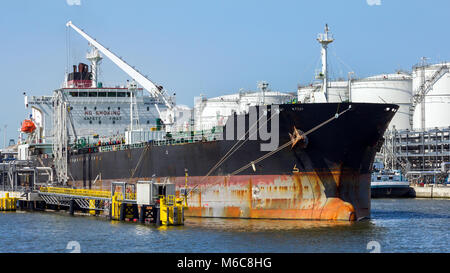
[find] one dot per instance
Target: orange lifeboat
(28, 126)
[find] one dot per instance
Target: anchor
(297, 137)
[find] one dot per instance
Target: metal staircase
(419, 96)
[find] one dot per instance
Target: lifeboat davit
(28, 126)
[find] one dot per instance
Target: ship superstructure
(102, 112)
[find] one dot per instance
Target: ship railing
(177, 139)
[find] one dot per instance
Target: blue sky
(212, 47)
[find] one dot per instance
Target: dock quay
(146, 202)
(431, 191)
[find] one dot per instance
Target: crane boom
(147, 84)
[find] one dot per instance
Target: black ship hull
(326, 178)
(392, 192)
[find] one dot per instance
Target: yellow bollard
(180, 214)
(92, 205)
(14, 203)
(163, 211)
(6, 204)
(115, 207)
(171, 214)
(170, 211)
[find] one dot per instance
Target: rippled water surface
(397, 225)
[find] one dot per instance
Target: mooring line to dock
(252, 163)
(231, 151)
(336, 116)
(139, 162)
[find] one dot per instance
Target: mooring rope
(287, 143)
(336, 116)
(139, 162)
(231, 151)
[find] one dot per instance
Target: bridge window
(112, 94)
(102, 94)
(74, 94)
(83, 94)
(121, 94)
(92, 94)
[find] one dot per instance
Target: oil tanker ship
(327, 179)
(318, 165)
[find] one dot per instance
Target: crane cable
(337, 115)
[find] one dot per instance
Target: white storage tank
(387, 88)
(213, 112)
(305, 94)
(337, 92)
(437, 100)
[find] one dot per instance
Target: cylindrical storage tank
(437, 99)
(388, 88)
(266, 98)
(304, 92)
(337, 92)
(215, 111)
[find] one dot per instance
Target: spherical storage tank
(437, 99)
(387, 88)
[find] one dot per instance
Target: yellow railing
(90, 193)
(80, 192)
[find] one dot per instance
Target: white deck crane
(155, 90)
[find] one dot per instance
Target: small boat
(389, 184)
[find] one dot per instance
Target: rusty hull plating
(305, 196)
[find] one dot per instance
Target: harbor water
(397, 225)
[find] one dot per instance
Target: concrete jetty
(430, 191)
